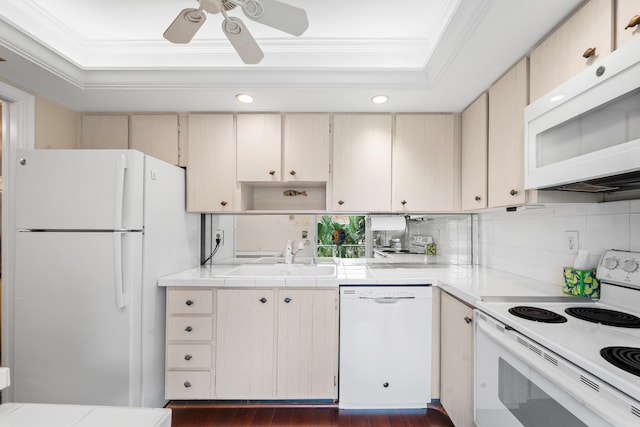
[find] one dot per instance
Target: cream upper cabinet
(259, 154)
(245, 344)
(361, 162)
(456, 360)
(307, 366)
(562, 55)
(507, 100)
(155, 135)
(627, 21)
(211, 166)
(475, 121)
(426, 163)
(306, 147)
(100, 131)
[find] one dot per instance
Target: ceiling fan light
(244, 98)
(379, 99)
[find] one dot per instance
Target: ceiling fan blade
(242, 40)
(185, 26)
(274, 13)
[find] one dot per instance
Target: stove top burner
(604, 316)
(625, 358)
(537, 314)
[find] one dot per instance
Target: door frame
(18, 131)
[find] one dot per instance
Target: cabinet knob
(468, 319)
(589, 52)
(272, 172)
(477, 198)
(633, 22)
(187, 384)
(263, 300)
(187, 357)
(292, 172)
(513, 192)
(223, 203)
(287, 300)
(189, 302)
(341, 202)
(385, 385)
(188, 329)
(404, 202)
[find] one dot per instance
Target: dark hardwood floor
(201, 415)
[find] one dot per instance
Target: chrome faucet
(288, 253)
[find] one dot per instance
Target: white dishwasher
(385, 347)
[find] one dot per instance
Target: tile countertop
(468, 283)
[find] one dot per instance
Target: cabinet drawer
(188, 385)
(188, 301)
(197, 356)
(189, 328)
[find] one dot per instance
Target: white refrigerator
(94, 231)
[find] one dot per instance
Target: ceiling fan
(281, 16)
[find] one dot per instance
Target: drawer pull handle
(404, 202)
(189, 302)
(477, 198)
(188, 329)
(272, 172)
(187, 357)
(341, 202)
(223, 203)
(513, 192)
(263, 300)
(292, 172)
(589, 52)
(287, 300)
(468, 319)
(633, 22)
(187, 384)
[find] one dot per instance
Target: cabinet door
(426, 163)
(259, 143)
(306, 147)
(475, 122)
(362, 162)
(456, 361)
(104, 131)
(156, 135)
(507, 99)
(307, 344)
(560, 56)
(211, 184)
(626, 10)
(245, 344)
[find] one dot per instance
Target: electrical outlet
(220, 235)
(571, 242)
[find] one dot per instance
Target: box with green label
(581, 283)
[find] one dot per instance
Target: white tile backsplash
(531, 242)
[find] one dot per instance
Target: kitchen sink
(282, 270)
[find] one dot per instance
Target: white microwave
(585, 134)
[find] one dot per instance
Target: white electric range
(538, 364)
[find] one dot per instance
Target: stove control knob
(630, 265)
(610, 263)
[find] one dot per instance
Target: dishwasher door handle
(387, 300)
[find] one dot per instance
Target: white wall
(531, 242)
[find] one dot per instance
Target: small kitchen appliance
(563, 361)
(94, 231)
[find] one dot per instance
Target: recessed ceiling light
(244, 98)
(379, 99)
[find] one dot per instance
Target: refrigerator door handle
(119, 281)
(121, 166)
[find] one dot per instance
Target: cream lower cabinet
(456, 360)
(190, 343)
(307, 366)
(266, 343)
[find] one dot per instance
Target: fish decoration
(291, 193)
